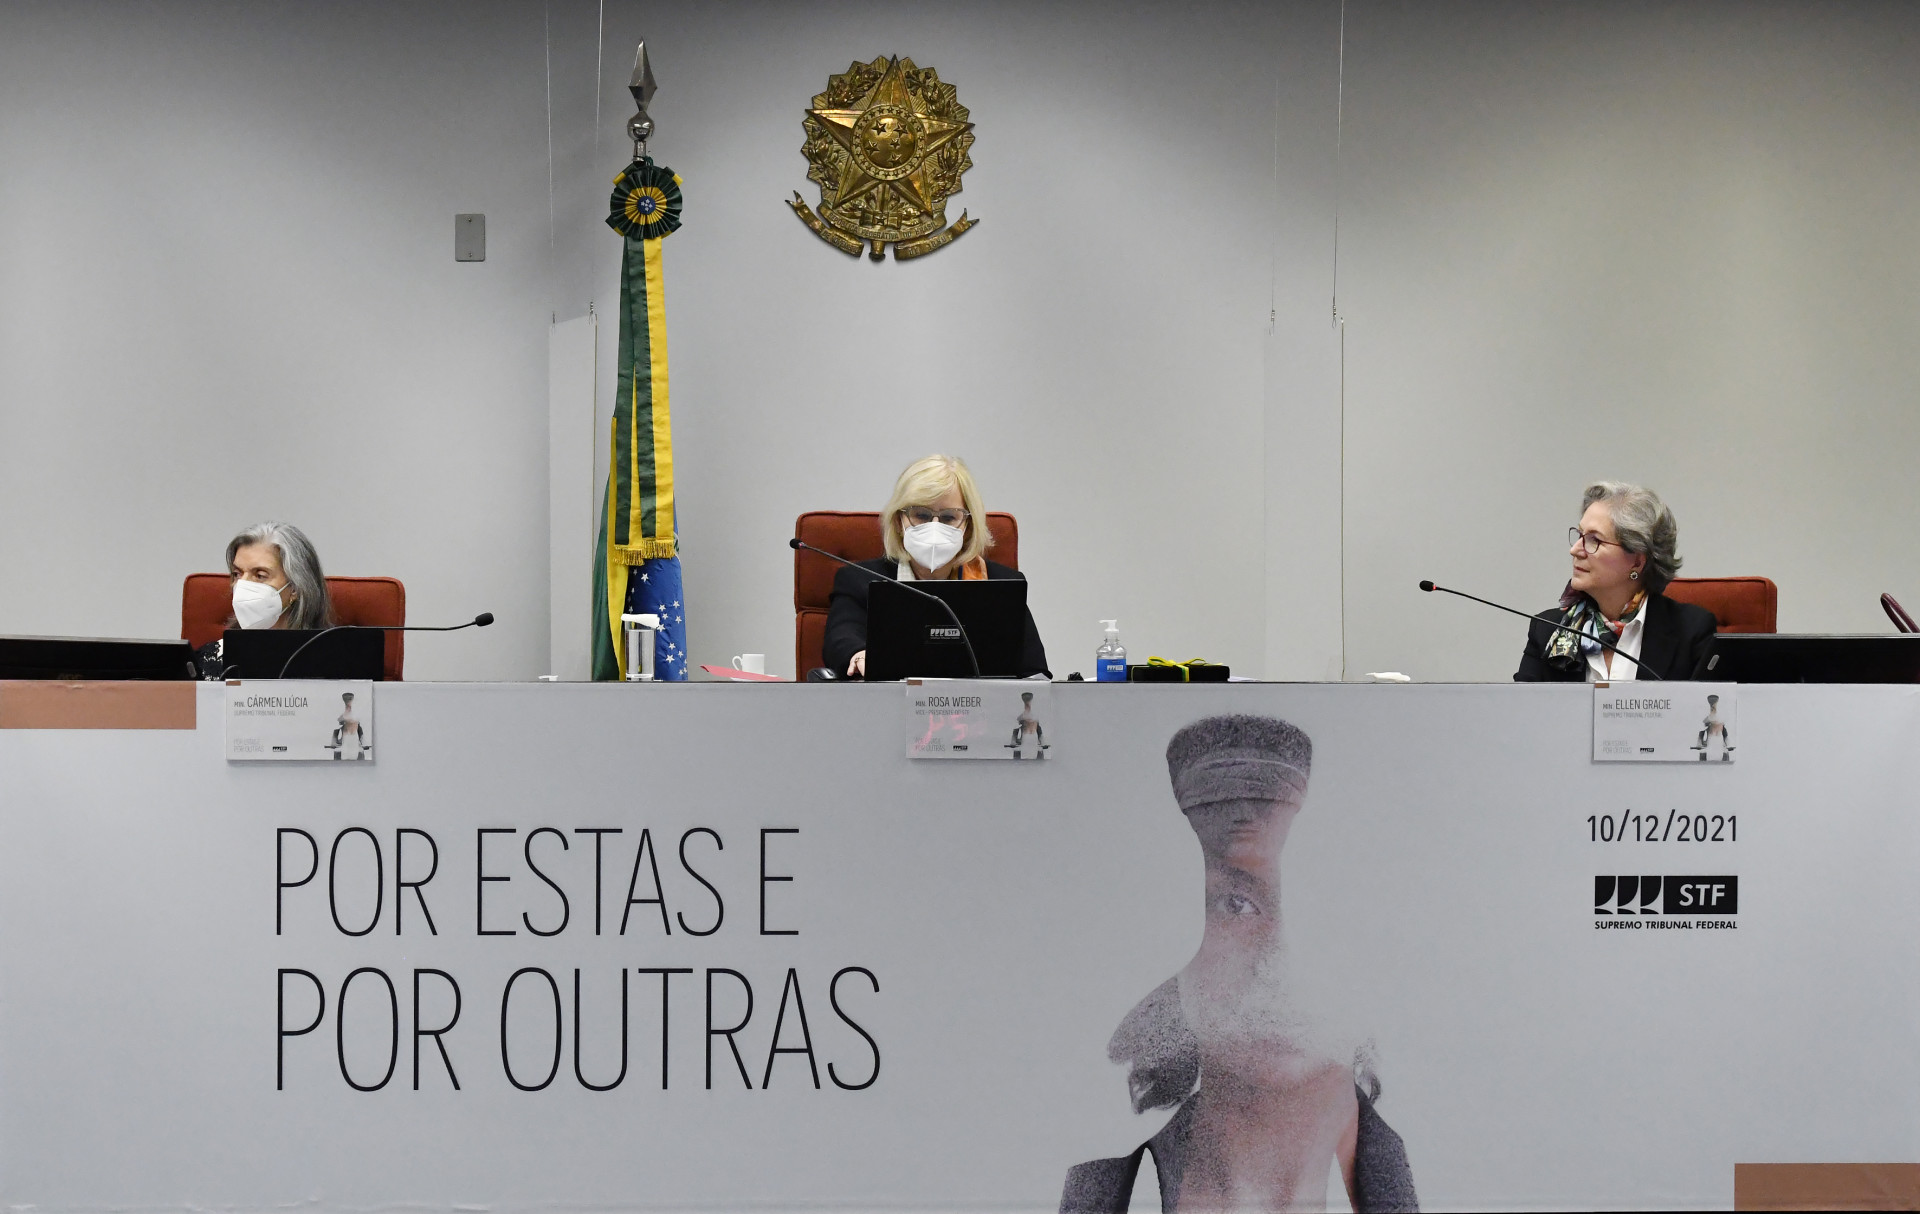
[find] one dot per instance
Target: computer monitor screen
(1779, 657)
(342, 653)
(909, 637)
(94, 658)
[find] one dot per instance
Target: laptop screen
(909, 637)
(1788, 658)
(94, 658)
(345, 653)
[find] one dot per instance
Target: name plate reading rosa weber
(272, 720)
(1655, 722)
(979, 719)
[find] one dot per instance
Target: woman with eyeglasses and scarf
(933, 528)
(1623, 557)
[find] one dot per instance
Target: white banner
(576, 946)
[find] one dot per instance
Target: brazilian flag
(636, 565)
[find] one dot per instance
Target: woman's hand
(857, 667)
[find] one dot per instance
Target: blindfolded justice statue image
(1027, 725)
(1711, 727)
(351, 739)
(1269, 1097)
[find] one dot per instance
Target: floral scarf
(1569, 651)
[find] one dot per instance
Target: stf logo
(1666, 895)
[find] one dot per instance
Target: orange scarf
(974, 570)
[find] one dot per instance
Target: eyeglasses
(1590, 542)
(921, 515)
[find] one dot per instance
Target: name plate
(979, 719)
(289, 720)
(1655, 722)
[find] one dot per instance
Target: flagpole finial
(640, 126)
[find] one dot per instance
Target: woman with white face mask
(934, 528)
(277, 583)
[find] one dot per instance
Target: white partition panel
(572, 499)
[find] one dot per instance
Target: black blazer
(847, 617)
(1674, 644)
(1381, 1178)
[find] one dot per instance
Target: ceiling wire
(599, 59)
(1339, 321)
(1339, 129)
(546, 29)
(1273, 202)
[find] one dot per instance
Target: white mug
(750, 663)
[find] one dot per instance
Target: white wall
(227, 292)
(1093, 349)
(1674, 244)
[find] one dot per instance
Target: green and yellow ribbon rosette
(645, 202)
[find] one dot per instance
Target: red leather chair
(206, 604)
(855, 535)
(1740, 604)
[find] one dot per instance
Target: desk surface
(981, 927)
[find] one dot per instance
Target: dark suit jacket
(1674, 644)
(847, 617)
(1381, 1178)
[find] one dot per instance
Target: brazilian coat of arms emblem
(886, 143)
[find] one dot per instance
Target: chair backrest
(1902, 622)
(1740, 604)
(855, 535)
(206, 604)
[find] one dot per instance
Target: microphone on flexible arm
(1639, 669)
(800, 545)
(478, 621)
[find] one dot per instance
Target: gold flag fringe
(644, 550)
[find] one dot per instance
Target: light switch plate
(469, 237)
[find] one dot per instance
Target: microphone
(478, 621)
(799, 545)
(1429, 587)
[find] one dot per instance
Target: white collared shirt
(1628, 643)
(904, 571)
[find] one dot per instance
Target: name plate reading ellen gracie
(287, 719)
(978, 718)
(1656, 722)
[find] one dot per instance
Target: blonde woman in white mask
(277, 583)
(934, 527)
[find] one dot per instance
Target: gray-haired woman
(277, 583)
(1623, 557)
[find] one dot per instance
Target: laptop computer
(94, 658)
(1778, 657)
(344, 653)
(908, 637)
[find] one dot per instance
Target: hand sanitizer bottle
(1110, 660)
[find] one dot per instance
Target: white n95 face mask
(255, 604)
(933, 544)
